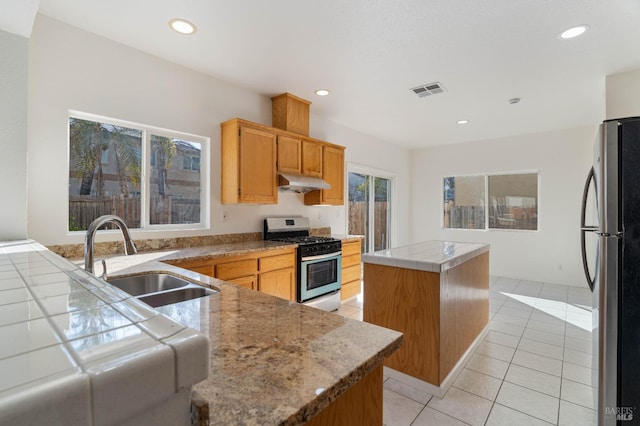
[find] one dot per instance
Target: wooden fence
(358, 212)
(164, 210)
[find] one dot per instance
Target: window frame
(486, 176)
(145, 172)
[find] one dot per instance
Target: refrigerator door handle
(590, 228)
(584, 229)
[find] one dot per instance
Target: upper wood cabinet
(299, 156)
(311, 158)
(290, 113)
(333, 173)
(289, 154)
(252, 155)
(249, 156)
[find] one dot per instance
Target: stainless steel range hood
(301, 184)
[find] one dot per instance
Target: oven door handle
(320, 257)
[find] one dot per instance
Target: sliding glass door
(369, 209)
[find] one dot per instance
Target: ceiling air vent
(428, 89)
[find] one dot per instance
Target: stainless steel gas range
(319, 268)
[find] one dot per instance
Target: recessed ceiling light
(322, 92)
(574, 32)
(182, 26)
(462, 121)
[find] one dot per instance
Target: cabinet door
(247, 282)
(277, 283)
(333, 173)
(289, 154)
(311, 158)
(258, 166)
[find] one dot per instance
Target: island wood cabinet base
(361, 405)
(440, 314)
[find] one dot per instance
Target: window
(191, 163)
(513, 201)
(145, 181)
(499, 201)
(464, 202)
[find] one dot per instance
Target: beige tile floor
(534, 366)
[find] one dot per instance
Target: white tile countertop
(75, 350)
(431, 256)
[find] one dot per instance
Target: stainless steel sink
(156, 289)
(175, 296)
(137, 285)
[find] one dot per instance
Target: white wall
(623, 95)
(74, 70)
(13, 136)
(563, 158)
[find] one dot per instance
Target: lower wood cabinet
(249, 282)
(351, 269)
(272, 272)
(278, 283)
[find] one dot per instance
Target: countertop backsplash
(76, 251)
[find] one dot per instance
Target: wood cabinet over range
(253, 154)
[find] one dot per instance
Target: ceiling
(370, 53)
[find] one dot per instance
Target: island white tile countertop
(76, 350)
(431, 256)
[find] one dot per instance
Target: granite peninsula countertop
(272, 361)
(275, 362)
(432, 256)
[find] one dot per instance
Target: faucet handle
(104, 270)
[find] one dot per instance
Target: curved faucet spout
(129, 246)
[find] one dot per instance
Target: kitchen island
(437, 294)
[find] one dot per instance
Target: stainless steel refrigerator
(610, 239)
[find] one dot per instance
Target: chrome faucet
(129, 246)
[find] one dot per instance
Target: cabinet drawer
(273, 263)
(349, 249)
(354, 259)
(239, 268)
(349, 290)
(351, 273)
(201, 268)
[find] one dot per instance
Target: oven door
(319, 275)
